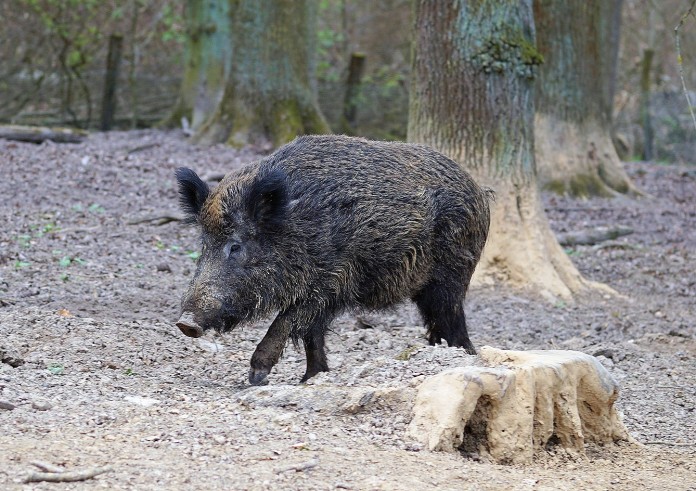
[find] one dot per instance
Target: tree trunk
(579, 40)
(249, 75)
(113, 61)
(350, 102)
(472, 98)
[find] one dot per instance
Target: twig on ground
(158, 220)
(76, 229)
(310, 464)
(615, 245)
(67, 476)
(672, 444)
(141, 148)
(594, 236)
(45, 466)
(578, 208)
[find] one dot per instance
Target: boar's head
(239, 274)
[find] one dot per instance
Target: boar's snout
(189, 326)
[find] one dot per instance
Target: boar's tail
(489, 193)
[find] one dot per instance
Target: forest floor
(95, 373)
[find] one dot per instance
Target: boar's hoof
(257, 376)
(189, 326)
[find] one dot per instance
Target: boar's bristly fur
(333, 223)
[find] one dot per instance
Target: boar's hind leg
(442, 308)
(270, 348)
(313, 342)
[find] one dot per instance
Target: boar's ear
(192, 192)
(267, 200)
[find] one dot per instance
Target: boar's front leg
(313, 341)
(271, 347)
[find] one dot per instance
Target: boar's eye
(231, 248)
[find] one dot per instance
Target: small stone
(164, 267)
(10, 357)
(414, 447)
(41, 405)
(141, 401)
(384, 344)
(219, 439)
(7, 405)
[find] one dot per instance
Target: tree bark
(113, 61)
(579, 41)
(249, 75)
(350, 102)
(473, 71)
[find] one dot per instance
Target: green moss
(285, 122)
(406, 354)
(242, 120)
(579, 186)
(529, 53)
(314, 122)
(556, 187)
(508, 50)
(619, 185)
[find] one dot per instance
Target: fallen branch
(75, 229)
(671, 444)
(594, 236)
(616, 245)
(67, 476)
(39, 134)
(142, 148)
(158, 220)
(299, 467)
(45, 466)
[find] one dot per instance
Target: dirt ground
(94, 372)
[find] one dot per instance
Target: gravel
(93, 371)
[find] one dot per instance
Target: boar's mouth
(189, 326)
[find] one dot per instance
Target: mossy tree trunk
(249, 75)
(473, 72)
(579, 40)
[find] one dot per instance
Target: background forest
(54, 56)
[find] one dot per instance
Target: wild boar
(329, 224)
